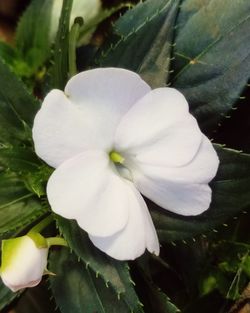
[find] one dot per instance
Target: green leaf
(212, 57)
(12, 130)
(16, 104)
(17, 111)
(19, 159)
(60, 68)
(77, 289)
(25, 163)
(35, 300)
(6, 296)
(18, 206)
(32, 36)
(230, 196)
(112, 272)
(144, 41)
(228, 273)
(7, 53)
(157, 300)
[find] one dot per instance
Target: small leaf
(17, 111)
(212, 58)
(230, 196)
(8, 53)
(77, 289)
(60, 68)
(19, 159)
(25, 163)
(112, 272)
(158, 300)
(16, 103)
(18, 206)
(144, 41)
(32, 36)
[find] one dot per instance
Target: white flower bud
(24, 261)
(86, 9)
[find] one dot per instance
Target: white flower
(23, 263)
(110, 137)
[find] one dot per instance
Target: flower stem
(42, 224)
(73, 36)
(56, 241)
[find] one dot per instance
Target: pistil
(116, 157)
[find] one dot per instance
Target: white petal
(105, 95)
(87, 189)
(87, 118)
(181, 198)
(201, 169)
(159, 130)
(138, 235)
(59, 129)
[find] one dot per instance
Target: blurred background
(11, 10)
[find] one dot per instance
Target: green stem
(73, 36)
(42, 224)
(56, 241)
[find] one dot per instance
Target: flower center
(116, 157)
(120, 165)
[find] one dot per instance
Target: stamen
(116, 157)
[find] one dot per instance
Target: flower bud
(24, 261)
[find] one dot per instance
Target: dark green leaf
(111, 271)
(144, 40)
(8, 53)
(35, 300)
(61, 67)
(228, 272)
(6, 296)
(19, 159)
(230, 196)
(12, 130)
(18, 206)
(158, 300)
(32, 36)
(23, 161)
(17, 111)
(77, 289)
(15, 102)
(212, 56)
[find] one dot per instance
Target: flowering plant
(116, 185)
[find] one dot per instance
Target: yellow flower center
(116, 157)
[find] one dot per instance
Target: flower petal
(182, 190)
(87, 118)
(87, 189)
(159, 130)
(105, 95)
(181, 198)
(59, 129)
(201, 169)
(138, 235)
